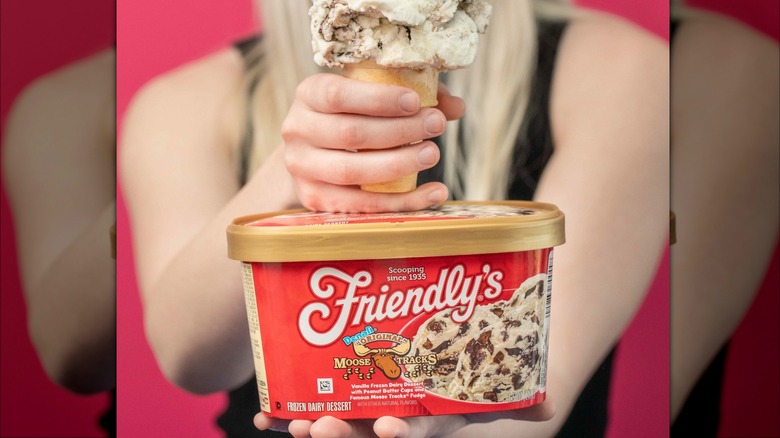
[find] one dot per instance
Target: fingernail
(437, 197)
(427, 155)
(409, 102)
(434, 124)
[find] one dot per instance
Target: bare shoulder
(599, 43)
(78, 96)
(74, 82)
(211, 75)
(724, 28)
(174, 137)
(606, 65)
(707, 39)
(605, 24)
(59, 156)
(606, 37)
(64, 117)
(187, 102)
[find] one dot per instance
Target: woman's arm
(179, 171)
(59, 168)
(610, 176)
(724, 185)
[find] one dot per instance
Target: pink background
(38, 37)
(153, 38)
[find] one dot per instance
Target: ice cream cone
(424, 81)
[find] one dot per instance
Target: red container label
(400, 337)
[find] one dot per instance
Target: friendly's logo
(338, 291)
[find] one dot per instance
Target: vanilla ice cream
(495, 357)
(442, 34)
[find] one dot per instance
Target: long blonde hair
(481, 168)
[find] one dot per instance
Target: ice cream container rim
(389, 240)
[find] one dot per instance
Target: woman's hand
(333, 116)
(391, 427)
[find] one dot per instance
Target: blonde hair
(478, 170)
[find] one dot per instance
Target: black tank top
(107, 421)
(532, 152)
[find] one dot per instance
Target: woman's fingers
(363, 167)
(328, 180)
(541, 412)
(452, 107)
(347, 199)
(354, 131)
(330, 427)
(334, 94)
(300, 428)
(426, 427)
(334, 116)
(264, 422)
(418, 427)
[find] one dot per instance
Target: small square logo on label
(324, 386)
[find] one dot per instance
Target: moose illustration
(384, 358)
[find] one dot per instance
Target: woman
(183, 167)
(60, 178)
(724, 73)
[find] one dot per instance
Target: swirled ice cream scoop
(416, 34)
(495, 356)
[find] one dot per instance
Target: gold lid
(455, 228)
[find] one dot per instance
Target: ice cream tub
(434, 312)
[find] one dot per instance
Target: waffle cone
(425, 82)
